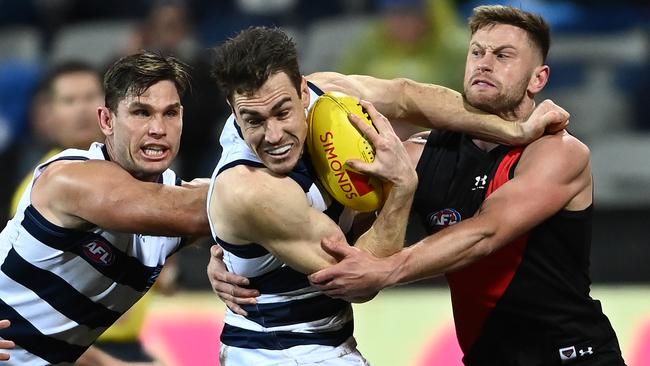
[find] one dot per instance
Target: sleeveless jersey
(527, 303)
(289, 312)
(61, 288)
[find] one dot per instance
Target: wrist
(407, 183)
(520, 135)
(395, 265)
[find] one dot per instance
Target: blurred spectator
(417, 39)
(168, 29)
(421, 40)
(17, 84)
(63, 115)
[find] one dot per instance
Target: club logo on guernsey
(443, 218)
(99, 251)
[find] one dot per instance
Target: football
(331, 141)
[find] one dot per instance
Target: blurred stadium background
(600, 60)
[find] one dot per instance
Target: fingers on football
(381, 123)
(361, 166)
(365, 128)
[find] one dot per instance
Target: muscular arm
(434, 106)
(552, 174)
(251, 205)
(81, 194)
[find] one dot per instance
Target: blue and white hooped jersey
(61, 288)
(289, 312)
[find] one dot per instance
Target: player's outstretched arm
(435, 106)
(5, 344)
(76, 194)
(552, 174)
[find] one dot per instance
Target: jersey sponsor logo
(443, 218)
(100, 252)
(479, 182)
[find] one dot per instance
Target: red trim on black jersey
(476, 289)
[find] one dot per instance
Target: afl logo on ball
(99, 251)
(440, 219)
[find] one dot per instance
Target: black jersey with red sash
(527, 303)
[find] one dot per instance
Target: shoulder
(559, 152)
(81, 169)
(248, 187)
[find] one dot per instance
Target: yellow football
(331, 141)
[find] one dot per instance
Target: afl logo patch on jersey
(99, 251)
(443, 218)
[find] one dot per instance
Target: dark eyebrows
(496, 49)
(140, 105)
(275, 107)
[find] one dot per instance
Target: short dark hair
(66, 68)
(536, 27)
(134, 74)
(242, 64)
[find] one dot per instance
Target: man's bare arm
(81, 194)
(553, 174)
(434, 106)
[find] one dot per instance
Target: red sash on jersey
(476, 289)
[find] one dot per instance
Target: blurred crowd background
(600, 72)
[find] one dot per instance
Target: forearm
(426, 105)
(448, 250)
(165, 210)
(437, 107)
(386, 235)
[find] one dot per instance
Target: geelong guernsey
(289, 312)
(61, 288)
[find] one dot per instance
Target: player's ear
(105, 120)
(539, 79)
(304, 92)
